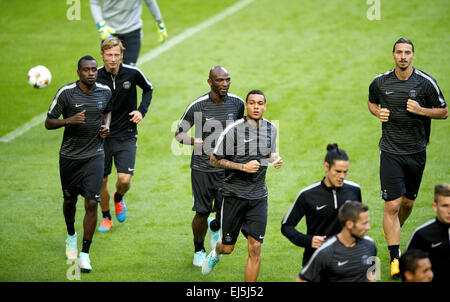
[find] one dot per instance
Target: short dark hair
(409, 261)
(441, 190)
(350, 210)
(334, 153)
(401, 41)
(85, 58)
(255, 91)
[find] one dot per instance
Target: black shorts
(81, 177)
(207, 191)
(401, 175)
(245, 214)
(132, 43)
(123, 151)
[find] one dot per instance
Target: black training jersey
(405, 132)
(82, 140)
(209, 119)
(241, 143)
(434, 237)
(124, 97)
(320, 205)
(333, 261)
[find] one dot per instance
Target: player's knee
(227, 249)
(91, 206)
(124, 181)
(406, 202)
(254, 249)
(392, 207)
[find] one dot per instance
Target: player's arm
(374, 104)
(250, 167)
(291, 220)
(434, 113)
(104, 30)
(186, 122)
(147, 93)
(55, 123)
(156, 13)
(381, 113)
(104, 128)
(276, 160)
(183, 138)
(312, 271)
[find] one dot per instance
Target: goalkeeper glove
(162, 32)
(105, 31)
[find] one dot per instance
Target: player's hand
(413, 107)
(198, 142)
(105, 31)
(317, 241)
(136, 116)
(162, 31)
(78, 118)
(251, 166)
(383, 114)
(276, 160)
(104, 131)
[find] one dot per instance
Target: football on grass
(39, 76)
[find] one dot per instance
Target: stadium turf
(313, 59)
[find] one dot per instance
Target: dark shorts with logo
(123, 152)
(207, 191)
(401, 175)
(248, 216)
(81, 177)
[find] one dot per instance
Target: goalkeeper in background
(123, 19)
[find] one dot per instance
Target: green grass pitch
(313, 59)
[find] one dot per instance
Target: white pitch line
(192, 31)
(171, 42)
(38, 119)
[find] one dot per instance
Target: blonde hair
(112, 42)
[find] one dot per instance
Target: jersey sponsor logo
(209, 118)
(78, 105)
(129, 169)
(389, 92)
(342, 263)
(126, 85)
(433, 245)
(321, 207)
(248, 140)
(261, 237)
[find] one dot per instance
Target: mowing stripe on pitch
(171, 42)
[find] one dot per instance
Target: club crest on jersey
(100, 105)
(126, 85)
(230, 116)
(412, 93)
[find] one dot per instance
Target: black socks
(71, 229)
(394, 251)
(86, 246)
(106, 214)
(117, 197)
(214, 225)
(199, 246)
